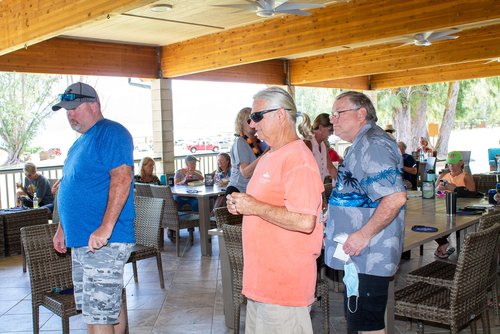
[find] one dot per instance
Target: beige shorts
(264, 318)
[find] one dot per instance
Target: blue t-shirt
(370, 171)
(83, 192)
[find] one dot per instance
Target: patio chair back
(223, 216)
(143, 189)
(148, 214)
(48, 270)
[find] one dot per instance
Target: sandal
(446, 254)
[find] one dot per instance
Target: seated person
(223, 172)
(409, 168)
(424, 146)
(184, 176)
(221, 176)
(456, 180)
(35, 183)
(146, 173)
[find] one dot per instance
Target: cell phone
(443, 182)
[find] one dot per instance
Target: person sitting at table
(223, 172)
(35, 183)
(146, 172)
(221, 177)
(185, 175)
(458, 181)
(409, 168)
(314, 137)
(424, 146)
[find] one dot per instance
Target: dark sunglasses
(72, 97)
(259, 115)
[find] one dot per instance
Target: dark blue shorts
(369, 313)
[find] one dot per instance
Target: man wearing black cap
(96, 209)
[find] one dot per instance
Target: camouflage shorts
(98, 281)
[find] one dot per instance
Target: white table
(203, 194)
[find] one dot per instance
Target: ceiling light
(161, 8)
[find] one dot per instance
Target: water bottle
(421, 155)
(35, 201)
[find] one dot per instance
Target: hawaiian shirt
(370, 171)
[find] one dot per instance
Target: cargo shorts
(98, 281)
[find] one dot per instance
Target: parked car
(202, 146)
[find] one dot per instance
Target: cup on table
(451, 203)
(491, 196)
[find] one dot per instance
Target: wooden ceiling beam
(472, 45)
(26, 22)
(328, 29)
(422, 76)
(356, 83)
(270, 72)
(69, 56)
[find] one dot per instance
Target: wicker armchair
(172, 218)
(233, 240)
(148, 213)
(13, 222)
(442, 272)
(466, 298)
(47, 270)
(143, 190)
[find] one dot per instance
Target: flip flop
(445, 255)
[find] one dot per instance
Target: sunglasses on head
(73, 96)
(259, 115)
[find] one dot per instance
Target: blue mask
(351, 282)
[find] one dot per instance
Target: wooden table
(203, 194)
(430, 212)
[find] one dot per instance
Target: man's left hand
(355, 243)
(240, 203)
(99, 239)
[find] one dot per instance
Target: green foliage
(25, 101)
(314, 101)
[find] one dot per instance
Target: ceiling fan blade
(240, 7)
(438, 34)
(425, 35)
(443, 38)
(297, 5)
(265, 4)
(293, 12)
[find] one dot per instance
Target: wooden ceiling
(347, 44)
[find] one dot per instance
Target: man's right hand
(59, 240)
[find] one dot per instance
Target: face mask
(351, 282)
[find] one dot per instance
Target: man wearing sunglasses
(96, 209)
(366, 206)
(282, 235)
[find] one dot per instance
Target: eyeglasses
(336, 114)
(72, 97)
(259, 115)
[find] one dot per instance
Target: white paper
(339, 251)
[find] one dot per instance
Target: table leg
(204, 209)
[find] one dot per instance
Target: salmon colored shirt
(280, 265)
(458, 180)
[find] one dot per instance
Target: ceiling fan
(426, 38)
(268, 8)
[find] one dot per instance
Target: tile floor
(190, 303)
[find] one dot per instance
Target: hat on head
(75, 95)
(389, 128)
(454, 157)
(190, 158)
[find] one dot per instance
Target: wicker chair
(442, 272)
(484, 182)
(466, 299)
(172, 218)
(47, 270)
(143, 190)
(233, 240)
(148, 214)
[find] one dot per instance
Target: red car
(202, 146)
